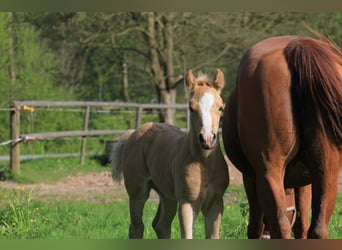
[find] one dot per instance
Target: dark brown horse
(283, 128)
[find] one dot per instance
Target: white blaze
(205, 104)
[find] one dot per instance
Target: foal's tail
(316, 81)
(115, 157)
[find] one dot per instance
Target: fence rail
(97, 104)
(17, 106)
(62, 134)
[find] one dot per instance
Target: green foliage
(21, 218)
(32, 67)
(79, 55)
(27, 72)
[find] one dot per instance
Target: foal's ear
(190, 80)
(218, 82)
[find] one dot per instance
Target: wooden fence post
(84, 138)
(138, 117)
(14, 135)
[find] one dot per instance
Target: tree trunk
(160, 41)
(125, 82)
(11, 67)
(168, 115)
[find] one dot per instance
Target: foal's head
(205, 106)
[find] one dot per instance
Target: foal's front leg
(213, 215)
(187, 215)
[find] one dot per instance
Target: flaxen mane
(203, 79)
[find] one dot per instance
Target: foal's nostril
(201, 139)
(207, 141)
(214, 138)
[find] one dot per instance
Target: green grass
(23, 215)
(81, 220)
(53, 170)
(26, 218)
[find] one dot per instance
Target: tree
(159, 37)
(121, 56)
(27, 70)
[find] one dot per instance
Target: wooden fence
(16, 137)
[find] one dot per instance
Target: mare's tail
(317, 83)
(115, 157)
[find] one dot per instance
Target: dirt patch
(93, 187)
(235, 177)
(97, 187)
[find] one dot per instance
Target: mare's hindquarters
(267, 133)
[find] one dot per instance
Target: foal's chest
(196, 180)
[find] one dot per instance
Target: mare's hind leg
(167, 209)
(291, 214)
(255, 224)
(272, 198)
(137, 198)
(303, 205)
(325, 169)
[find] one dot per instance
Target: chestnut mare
(283, 128)
(185, 169)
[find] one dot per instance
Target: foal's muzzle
(207, 141)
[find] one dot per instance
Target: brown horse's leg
(255, 224)
(303, 205)
(213, 215)
(167, 209)
(324, 186)
(271, 195)
(291, 211)
(266, 232)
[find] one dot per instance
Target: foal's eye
(221, 109)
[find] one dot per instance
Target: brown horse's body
(187, 170)
(283, 128)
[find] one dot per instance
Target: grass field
(24, 215)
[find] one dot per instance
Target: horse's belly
(297, 175)
(165, 186)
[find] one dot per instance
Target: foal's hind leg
(137, 199)
(167, 209)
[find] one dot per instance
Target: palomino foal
(187, 170)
